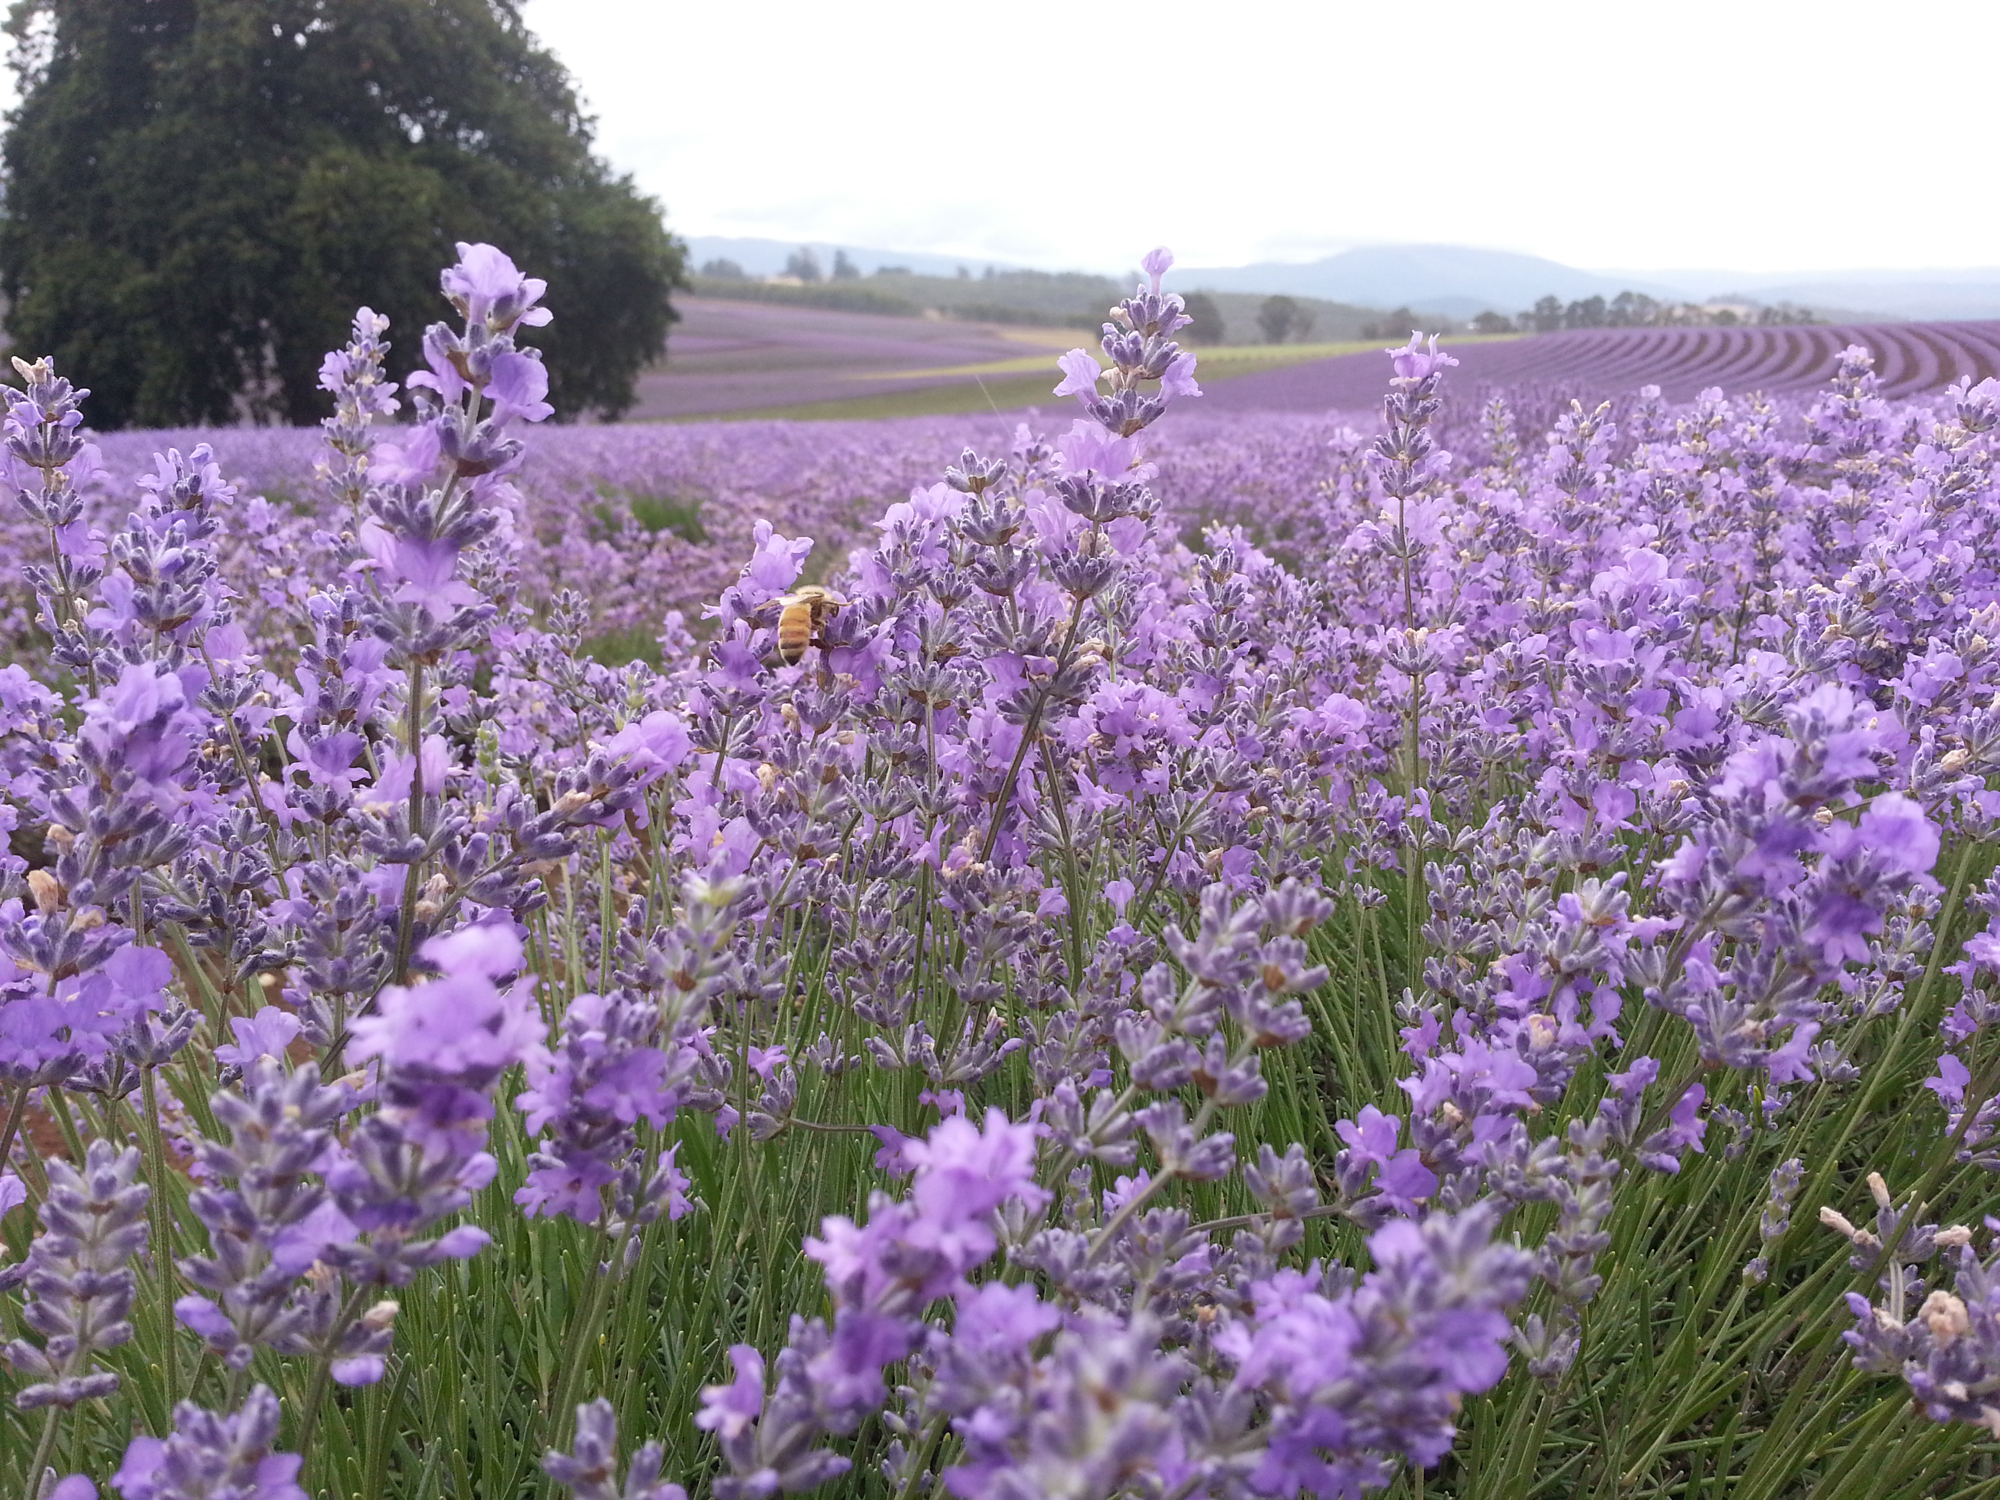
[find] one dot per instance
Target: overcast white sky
(1748, 134)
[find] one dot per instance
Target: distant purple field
(1909, 357)
(742, 356)
(735, 357)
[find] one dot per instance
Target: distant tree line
(1400, 323)
(803, 266)
(1637, 310)
(1046, 299)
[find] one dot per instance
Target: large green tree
(199, 193)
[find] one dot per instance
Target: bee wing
(772, 611)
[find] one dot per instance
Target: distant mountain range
(1459, 281)
(1943, 294)
(1447, 279)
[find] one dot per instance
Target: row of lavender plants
(1209, 975)
(647, 520)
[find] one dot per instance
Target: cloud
(1707, 132)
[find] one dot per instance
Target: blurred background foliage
(199, 193)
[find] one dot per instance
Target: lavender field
(1909, 359)
(735, 357)
(750, 359)
(747, 360)
(1335, 933)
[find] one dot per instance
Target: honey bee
(803, 620)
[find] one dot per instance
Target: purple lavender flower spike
(442, 1046)
(590, 1470)
(208, 1455)
(1139, 348)
(78, 1277)
(624, 1057)
(1419, 361)
(882, 1277)
(1945, 1345)
(486, 287)
(268, 1221)
(729, 1410)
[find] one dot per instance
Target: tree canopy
(1281, 317)
(200, 192)
(1205, 323)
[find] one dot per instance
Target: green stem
(1780, 1437)
(236, 1388)
(1247, 1221)
(40, 1463)
(323, 1367)
(216, 1009)
(1029, 731)
(1074, 882)
(1919, 1197)
(1139, 909)
(605, 913)
(1909, 1012)
(1946, 915)
(920, 1465)
(14, 1113)
(66, 1123)
(273, 833)
(1138, 1200)
(414, 733)
(1865, 1452)
(722, 749)
(561, 1410)
(163, 1257)
(378, 1445)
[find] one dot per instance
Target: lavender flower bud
(590, 1470)
(208, 1455)
(265, 1215)
(80, 1285)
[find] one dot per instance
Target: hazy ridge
(1455, 281)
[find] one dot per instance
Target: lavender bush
(1297, 960)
